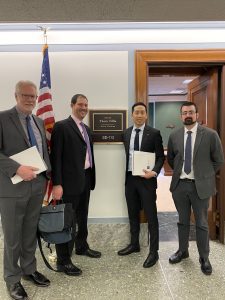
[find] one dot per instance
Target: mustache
(188, 121)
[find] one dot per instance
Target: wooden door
(203, 91)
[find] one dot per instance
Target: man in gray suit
(20, 203)
(195, 154)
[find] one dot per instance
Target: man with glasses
(195, 154)
(20, 203)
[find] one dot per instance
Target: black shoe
(89, 252)
(69, 269)
(151, 259)
(16, 291)
(178, 256)
(205, 266)
(38, 279)
(128, 250)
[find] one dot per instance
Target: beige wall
(103, 77)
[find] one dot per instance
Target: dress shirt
(193, 137)
(37, 134)
(87, 160)
(131, 148)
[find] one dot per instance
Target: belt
(187, 180)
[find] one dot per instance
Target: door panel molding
(216, 57)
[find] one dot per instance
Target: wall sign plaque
(107, 125)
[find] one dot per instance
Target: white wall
(103, 77)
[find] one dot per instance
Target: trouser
(79, 229)
(19, 217)
(142, 192)
(185, 196)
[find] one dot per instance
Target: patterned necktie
(188, 154)
(32, 139)
(136, 139)
(86, 138)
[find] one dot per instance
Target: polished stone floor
(124, 278)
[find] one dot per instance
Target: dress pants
(80, 205)
(19, 217)
(185, 196)
(142, 192)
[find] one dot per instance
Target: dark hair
(75, 97)
(137, 104)
(188, 103)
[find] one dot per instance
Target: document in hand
(29, 157)
(142, 160)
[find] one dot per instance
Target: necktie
(32, 139)
(86, 138)
(187, 159)
(136, 139)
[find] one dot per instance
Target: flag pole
(44, 105)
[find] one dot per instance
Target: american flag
(44, 106)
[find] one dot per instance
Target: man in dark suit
(141, 190)
(73, 175)
(20, 203)
(195, 154)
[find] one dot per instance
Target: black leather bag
(54, 226)
(55, 222)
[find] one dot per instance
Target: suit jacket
(13, 140)
(68, 153)
(151, 142)
(207, 159)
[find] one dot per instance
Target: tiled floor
(121, 278)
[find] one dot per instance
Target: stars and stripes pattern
(45, 109)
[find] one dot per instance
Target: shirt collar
(22, 114)
(76, 120)
(141, 128)
(193, 130)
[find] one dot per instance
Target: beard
(189, 121)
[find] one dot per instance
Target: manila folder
(142, 161)
(29, 157)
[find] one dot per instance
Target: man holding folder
(141, 190)
(20, 203)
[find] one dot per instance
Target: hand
(149, 174)
(27, 173)
(57, 192)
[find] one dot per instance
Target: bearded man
(195, 154)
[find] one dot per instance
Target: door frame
(144, 59)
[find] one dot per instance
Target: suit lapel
(73, 124)
(145, 136)
(180, 139)
(40, 127)
(127, 139)
(15, 119)
(198, 139)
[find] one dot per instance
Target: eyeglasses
(190, 112)
(26, 96)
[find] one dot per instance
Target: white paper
(142, 161)
(29, 157)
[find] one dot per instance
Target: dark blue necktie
(136, 139)
(32, 139)
(188, 153)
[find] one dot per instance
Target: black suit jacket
(151, 142)
(68, 152)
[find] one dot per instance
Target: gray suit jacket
(207, 159)
(13, 140)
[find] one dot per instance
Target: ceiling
(168, 87)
